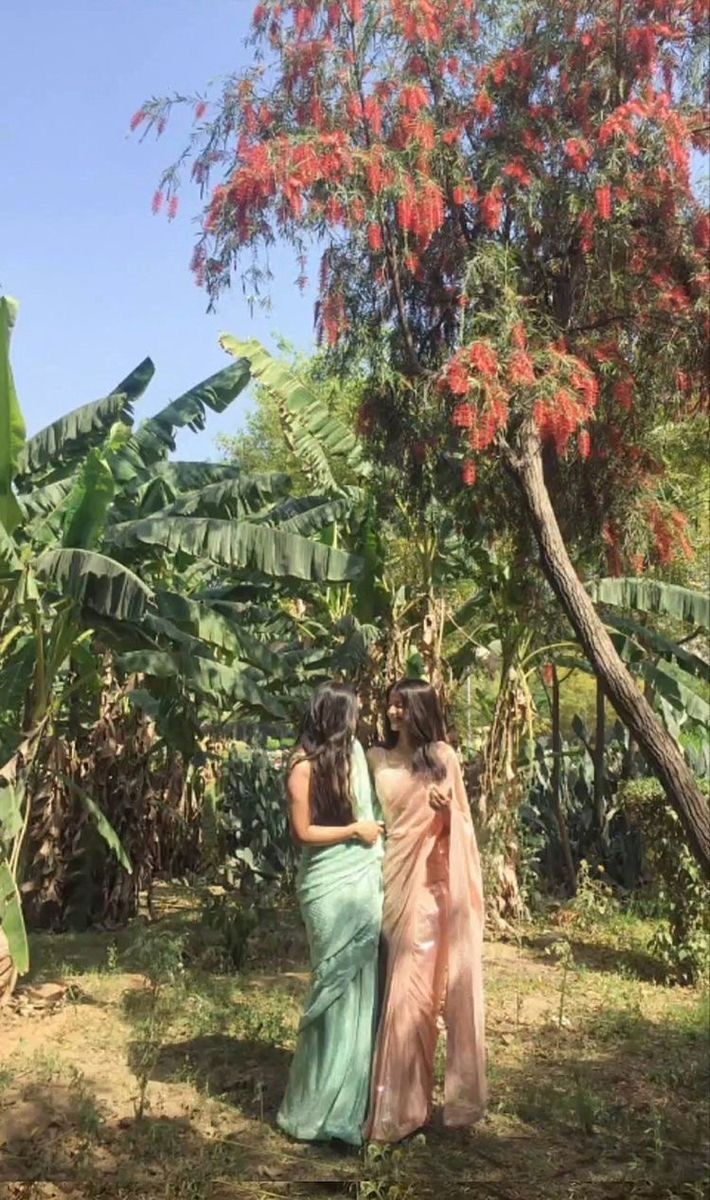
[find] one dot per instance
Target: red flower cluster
(610, 534)
(421, 211)
(374, 237)
(463, 415)
(332, 322)
(519, 336)
(482, 358)
(586, 229)
(669, 535)
(578, 154)
(492, 208)
(560, 415)
(519, 172)
(413, 99)
(603, 198)
(520, 369)
(421, 20)
(623, 392)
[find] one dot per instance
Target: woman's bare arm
(302, 828)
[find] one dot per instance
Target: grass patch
(159, 1077)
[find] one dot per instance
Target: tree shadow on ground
(594, 1112)
(250, 1074)
(617, 1096)
(595, 957)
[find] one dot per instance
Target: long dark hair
(425, 725)
(326, 741)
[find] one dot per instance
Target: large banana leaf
(156, 437)
(70, 438)
(259, 548)
(225, 687)
(12, 425)
(16, 668)
(134, 385)
(89, 502)
(162, 627)
(186, 476)
(95, 581)
(653, 596)
(12, 920)
(11, 813)
(271, 621)
(43, 501)
(371, 597)
(149, 491)
(677, 694)
(307, 515)
(107, 832)
(658, 644)
(176, 721)
(212, 627)
(104, 826)
(239, 497)
(316, 435)
(9, 561)
(353, 653)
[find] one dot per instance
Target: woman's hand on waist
(368, 832)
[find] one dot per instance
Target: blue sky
(100, 280)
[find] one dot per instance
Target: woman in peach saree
(432, 925)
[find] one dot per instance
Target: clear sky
(100, 280)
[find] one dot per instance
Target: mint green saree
(339, 891)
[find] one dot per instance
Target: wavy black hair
(425, 725)
(326, 741)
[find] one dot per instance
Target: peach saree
(433, 931)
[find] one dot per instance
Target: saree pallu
(339, 892)
(432, 930)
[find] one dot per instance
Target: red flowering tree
(510, 235)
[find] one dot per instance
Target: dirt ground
(125, 1072)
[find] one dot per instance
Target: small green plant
(390, 1167)
(594, 900)
(160, 959)
(562, 951)
(590, 1111)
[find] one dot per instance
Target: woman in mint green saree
(339, 888)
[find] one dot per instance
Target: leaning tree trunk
(660, 749)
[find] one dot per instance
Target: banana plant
(109, 547)
(342, 515)
(674, 674)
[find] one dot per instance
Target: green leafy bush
(254, 820)
(224, 932)
(683, 895)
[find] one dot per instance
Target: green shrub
(683, 894)
(224, 932)
(253, 819)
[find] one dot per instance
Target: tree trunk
(567, 859)
(660, 749)
(599, 746)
